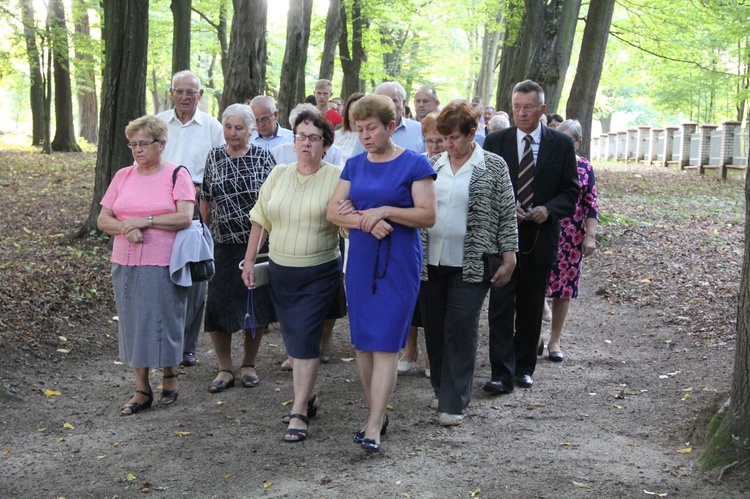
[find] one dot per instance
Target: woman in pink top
(142, 209)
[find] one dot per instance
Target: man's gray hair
(265, 101)
(497, 123)
(184, 73)
(392, 85)
(527, 87)
(242, 111)
(573, 127)
(298, 109)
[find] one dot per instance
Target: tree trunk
(292, 86)
(36, 89)
(729, 439)
(333, 34)
(85, 75)
(65, 137)
(586, 82)
(125, 33)
(516, 53)
(181, 10)
(490, 44)
(351, 60)
(552, 46)
(159, 95)
(220, 27)
(246, 74)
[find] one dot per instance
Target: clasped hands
(131, 229)
(371, 221)
(538, 215)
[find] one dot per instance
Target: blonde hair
(324, 84)
(429, 123)
(150, 125)
(377, 106)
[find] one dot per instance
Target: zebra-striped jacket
(491, 221)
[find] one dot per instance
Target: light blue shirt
(284, 154)
(408, 134)
(280, 136)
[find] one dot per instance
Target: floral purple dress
(566, 274)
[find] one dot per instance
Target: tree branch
(205, 18)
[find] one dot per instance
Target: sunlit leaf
(130, 477)
(580, 485)
(287, 402)
(182, 434)
(685, 451)
(475, 492)
(51, 393)
(69, 426)
(63, 350)
(267, 485)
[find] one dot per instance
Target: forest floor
(649, 350)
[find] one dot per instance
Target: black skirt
(227, 301)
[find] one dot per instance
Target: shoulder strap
(174, 181)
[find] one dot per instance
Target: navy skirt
(302, 297)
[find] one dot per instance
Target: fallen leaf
(685, 451)
(182, 434)
(115, 318)
(62, 338)
(646, 281)
(608, 342)
(267, 485)
(69, 426)
(42, 430)
(130, 477)
(537, 404)
(63, 350)
(227, 475)
(405, 494)
(51, 393)
(102, 456)
(277, 390)
(272, 345)
(475, 492)
(566, 444)
(687, 389)
(220, 402)
(7, 452)
(686, 396)
(617, 406)
(655, 493)
(580, 485)
(389, 407)
(118, 363)
(287, 402)
(347, 359)
(620, 395)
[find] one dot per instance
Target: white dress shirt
(536, 135)
(188, 144)
(445, 240)
(285, 154)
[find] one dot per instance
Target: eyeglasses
(436, 143)
(185, 91)
(265, 121)
(301, 137)
(141, 145)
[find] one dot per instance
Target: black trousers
(515, 318)
(450, 309)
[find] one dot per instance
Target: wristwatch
(150, 219)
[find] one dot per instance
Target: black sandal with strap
(249, 380)
(218, 386)
(300, 433)
(136, 407)
(312, 409)
(168, 396)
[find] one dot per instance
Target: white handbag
(260, 269)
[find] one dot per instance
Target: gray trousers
(196, 304)
(450, 310)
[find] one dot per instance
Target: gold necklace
(309, 180)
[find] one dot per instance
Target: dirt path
(568, 437)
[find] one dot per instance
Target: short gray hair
(393, 85)
(265, 101)
(184, 73)
(298, 109)
(242, 111)
(529, 86)
(497, 123)
(572, 128)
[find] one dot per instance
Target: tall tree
(125, 35)
(728, 432)
(589, 71)
(292, 86)
(65, 138)
(36, 89)
(539, 39)
(552, 45)
(490, 44)
(85, 74)
(181, 10)
(246, 72)
(220, 26)
(352, 59)
(332, 36)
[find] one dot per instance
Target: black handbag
(491, 262)
(203, 270)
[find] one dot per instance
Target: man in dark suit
(542, 166)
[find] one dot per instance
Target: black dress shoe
(556, 356)
(497, 387)
(524, 381)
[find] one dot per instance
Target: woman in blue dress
(383, 197)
